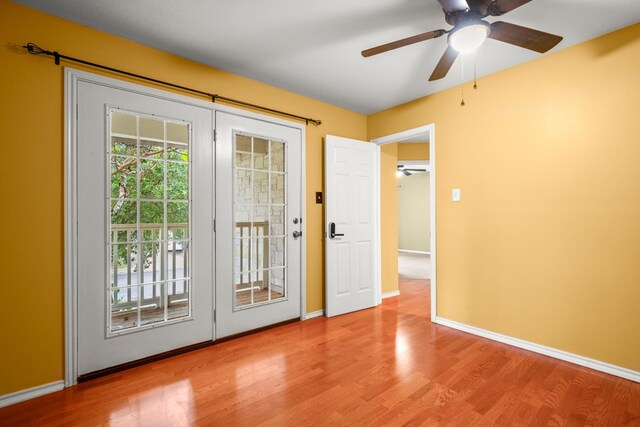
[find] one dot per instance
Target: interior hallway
(387, 365)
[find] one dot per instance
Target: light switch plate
(455, 195)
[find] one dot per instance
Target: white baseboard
(390, 294)
(30, 393)
(414, 252)
(618, 371)
(313, 314)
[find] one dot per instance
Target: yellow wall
(413, 151)
(545, 244)
(31, 174)
(389, 216)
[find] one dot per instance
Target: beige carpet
(414, 266)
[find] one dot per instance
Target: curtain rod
(36, 50)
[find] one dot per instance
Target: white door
(258, 240)
(145, 235)
(350, 225)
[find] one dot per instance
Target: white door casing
(98, 348)
(350, 177)
(232, 319)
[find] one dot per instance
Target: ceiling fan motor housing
(477, 9)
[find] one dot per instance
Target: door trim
(71, 230)
(405, 135)
(72, 77)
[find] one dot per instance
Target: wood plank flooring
(259, 295)
(383, 366)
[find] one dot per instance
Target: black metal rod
(36, 50)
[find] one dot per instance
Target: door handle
(297, 234)
(332, 230)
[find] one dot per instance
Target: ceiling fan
(407, 171)
(470, 31)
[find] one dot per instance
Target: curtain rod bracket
(34, 49)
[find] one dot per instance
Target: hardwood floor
(383, 366)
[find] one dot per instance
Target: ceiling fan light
(469, 38)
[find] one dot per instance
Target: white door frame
(410, 135)
(71, 79)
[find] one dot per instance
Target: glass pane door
(145, 203)
(259, 227)
(149, 228)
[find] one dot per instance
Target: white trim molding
(409, 135)
(313, 314)
(597, 365)
(30, 393)
(71, 77)
(390, 294)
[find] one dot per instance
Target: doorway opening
(414, 226)
(409, 153)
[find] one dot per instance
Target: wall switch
(455, 195)
(318, 197)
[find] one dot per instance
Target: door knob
(297, 234)
(332, 230)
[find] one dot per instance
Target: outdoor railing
(124, 237)
(247, 260)
(152, 262)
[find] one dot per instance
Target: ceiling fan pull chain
(462, 104)
(475, 70)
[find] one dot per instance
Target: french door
(258, 227)
(179, 239)
(145, 205)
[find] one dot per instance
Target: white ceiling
(313, 47)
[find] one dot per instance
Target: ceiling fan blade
(527, 38)
(403, 42)
(453, 6)
(448, 58)
(500, 7)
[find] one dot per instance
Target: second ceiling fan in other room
(470, 30)
(409, 171)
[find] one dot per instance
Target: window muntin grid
(259, 188)
(149, 211)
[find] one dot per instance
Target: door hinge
(215, 135)
(214, 225)
(214, 315)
